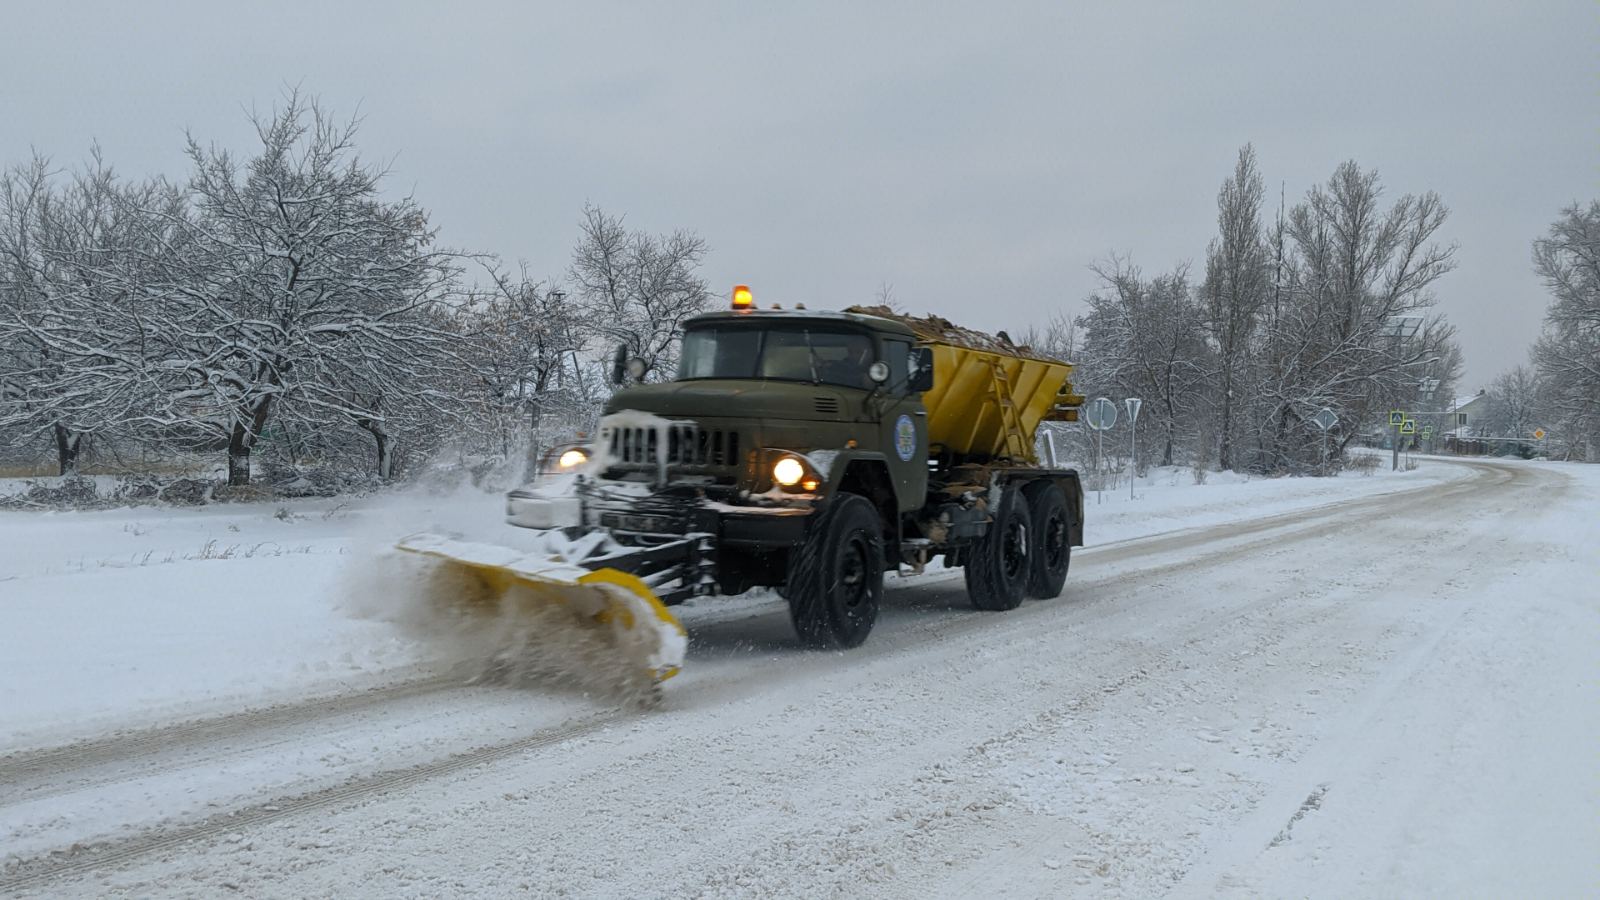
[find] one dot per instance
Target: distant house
(1469, 414)
(1468, 428)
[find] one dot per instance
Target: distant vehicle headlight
(572, 459)
(788, 471)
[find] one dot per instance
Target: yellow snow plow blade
(613, 611)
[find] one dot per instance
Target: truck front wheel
(999, 564)
(836, 577)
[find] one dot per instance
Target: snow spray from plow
(603, 625)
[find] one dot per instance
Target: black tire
(836, 576)
(997, 569)
(1051, 535)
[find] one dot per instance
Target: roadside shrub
(1364, 463)
(136, 489)
(186, 492)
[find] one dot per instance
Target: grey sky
(976, 156)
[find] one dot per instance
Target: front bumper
(680, 543)
(528, 510)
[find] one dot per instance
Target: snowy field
(1355, 686)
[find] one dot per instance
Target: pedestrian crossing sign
(1396, 417)
(1409, 426)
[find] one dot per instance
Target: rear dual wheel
(999, 566)
(1025, 552)
(1052, 547)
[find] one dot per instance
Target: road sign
(1427, 431)
(1409, 426)
(1133, 404)
(1325, 419)
(1538, 434)
(1396, 417)
(1100, 414)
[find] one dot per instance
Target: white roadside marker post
(1133, 441)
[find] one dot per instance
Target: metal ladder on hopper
(1016, 443)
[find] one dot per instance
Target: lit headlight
(788, 471)
(572, 459)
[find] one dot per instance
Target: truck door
(905, 428)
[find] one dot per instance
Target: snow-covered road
(1353, 687)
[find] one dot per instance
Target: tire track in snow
(53, 770)
(922, 636)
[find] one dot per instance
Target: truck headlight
(788, 471)
(564, 460)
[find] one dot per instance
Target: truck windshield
(785, 354)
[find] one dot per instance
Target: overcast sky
(978, 157)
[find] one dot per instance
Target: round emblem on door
(905, 438)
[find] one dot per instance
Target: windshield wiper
(811, 356)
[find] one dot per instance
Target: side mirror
(625, 368)
(619, 365)
(921, 363)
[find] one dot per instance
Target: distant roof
(1463, 401)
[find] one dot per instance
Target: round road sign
(1100, 414)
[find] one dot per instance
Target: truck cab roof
(791, 317)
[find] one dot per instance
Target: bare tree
(1350, 272)
(1238, 284)
(1568, 353)
(525, 353)
(1146, 338)
(78, 349)
(638, 289)
(1058, 339)
(1513, 404)
(293, 290)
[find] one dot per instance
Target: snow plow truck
(804, 451)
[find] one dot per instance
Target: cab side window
(897, 354)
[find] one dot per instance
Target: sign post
(1325, 419)
(1133, 404)
(1099, 415)
(1396, 419)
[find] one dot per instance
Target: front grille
(828, 405)
(687, 445)
(661, 512)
